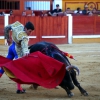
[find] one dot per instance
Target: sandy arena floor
(88, 61)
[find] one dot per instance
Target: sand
(88, 61)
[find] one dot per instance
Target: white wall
(36, 5)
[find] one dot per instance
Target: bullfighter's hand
(8, 42)
(26, 54)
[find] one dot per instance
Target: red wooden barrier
(46, 27)
(54, 26)
(83, 25)
(97, 25)
(1, 25)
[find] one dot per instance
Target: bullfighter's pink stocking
(19, 86)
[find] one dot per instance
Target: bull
(70, 79)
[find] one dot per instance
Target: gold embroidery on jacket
(19, 37)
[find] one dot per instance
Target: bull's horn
(74, 67)
(77, 69)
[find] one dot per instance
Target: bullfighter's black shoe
(20, 91)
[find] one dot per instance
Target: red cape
(36, 68)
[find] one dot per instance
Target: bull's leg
(67, 84)
(76, 83)
(35, 86)
(69, 93)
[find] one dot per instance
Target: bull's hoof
(85, 93)
(70, 94)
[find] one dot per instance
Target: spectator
(2, 13)
(46, 14)
(11, 12)
(78, 11)
(56, 11)
(33, 14)
(86, 10)
(23, 13)
(68, 11)
(94, 11)
(28, 8)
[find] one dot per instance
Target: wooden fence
(51, 29)
(55, 29)
(86, 25)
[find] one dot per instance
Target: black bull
(70, 77)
